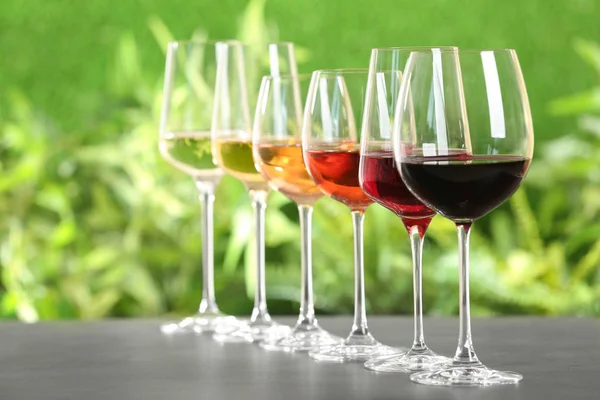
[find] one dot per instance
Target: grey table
(130, 360)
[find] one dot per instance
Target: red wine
(381, 181)
(336, 174)
(464, 190)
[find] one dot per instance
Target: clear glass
(380, 180)
(277, 150)
(331, 144)
(232, 151)
(463, 142)
(184, 142)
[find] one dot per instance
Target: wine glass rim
(480, 50)
(177, 43)
(286, 77)
(339, 71)
(284, 43)
(472, 50)
(415, 48)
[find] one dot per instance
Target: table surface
(130, 359)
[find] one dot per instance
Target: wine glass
(232, 151)
(380, 180)
(184, 142)
(277, 148)
(330, 144)
(463, 142)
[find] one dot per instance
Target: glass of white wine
(232, 151)
(185, 142)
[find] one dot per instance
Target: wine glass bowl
(281, 162)
(463, 141)
(334, 167)
(189, 151)
(234, 154)
(476, 149)
(381, 181)
(277, 138)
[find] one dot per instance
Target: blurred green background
(94, 224)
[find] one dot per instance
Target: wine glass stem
(206, 191)
(259, 203)
(307, 305)
(416, 244)
(359, 327)
(465, 353)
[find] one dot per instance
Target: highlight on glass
(232, 151)
(277, 146)
(381, 181)
(463, 142)
(331, 148)
(185, 142)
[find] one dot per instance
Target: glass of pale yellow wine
(185, 142)
(232, 152)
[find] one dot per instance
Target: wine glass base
(199, 323)
(300, 340)
(249, 332)
(408, 362)
(353, 349)
(466, 376)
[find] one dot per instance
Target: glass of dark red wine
(331, 149)
(380, 180)
(463, 142)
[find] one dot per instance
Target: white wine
(190, 152)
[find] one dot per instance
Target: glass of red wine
(463, 141)
(380, 180)
(331, 149)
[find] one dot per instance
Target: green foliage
(96, 224)
(59, 52)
